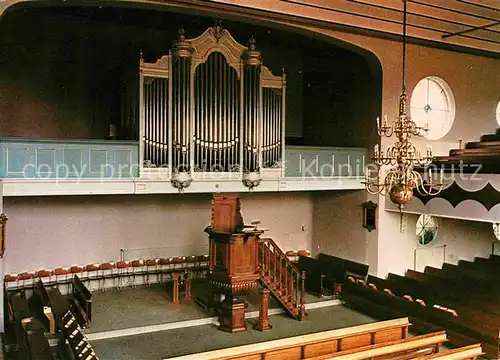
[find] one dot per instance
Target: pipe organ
(211, 106)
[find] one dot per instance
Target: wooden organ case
(211, 106)
(233, 261)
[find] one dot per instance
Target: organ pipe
(211, 105)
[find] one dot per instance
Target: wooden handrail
(281, 276)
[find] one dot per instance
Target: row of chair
(148, 269)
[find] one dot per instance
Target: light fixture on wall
(395, 175)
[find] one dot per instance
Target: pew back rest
(82, 295)
(37, 343)
(310, 265)
(339, 269)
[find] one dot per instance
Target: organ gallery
(211, 105)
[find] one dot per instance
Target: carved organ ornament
(211, 106)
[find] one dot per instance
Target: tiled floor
(170, 343)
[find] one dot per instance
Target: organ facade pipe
(252, 115)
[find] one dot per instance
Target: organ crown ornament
(252, 57)
(182, 48)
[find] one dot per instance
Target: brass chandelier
(395, 175)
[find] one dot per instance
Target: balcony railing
(324, 162)
(26, 158)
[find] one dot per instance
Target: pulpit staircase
(285, 282)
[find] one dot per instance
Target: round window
(433, 107)
(426, 229)
(496, 230)
(498, 113)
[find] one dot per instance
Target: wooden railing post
(175, 294)
(263, 322)
(276, 257)
(187, 295)
(302, 294)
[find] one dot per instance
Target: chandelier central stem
(399, 179)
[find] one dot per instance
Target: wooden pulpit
(233, 261)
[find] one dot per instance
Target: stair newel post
(296, 288)
(259, 258)
(302, 294)
(285, 288)
(275, 260)
(268, 266)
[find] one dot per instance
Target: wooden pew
(466, 278)
(17, 310)
(37, 343)
(333, 342)
(470, 352)
(481, 265)
(81, 301)
(326, 273)
(314, 274)
(78, 342)
(461, 331)
(494, 257)
(410, 348)
(472, 314)
(337, 269)
(456, 290)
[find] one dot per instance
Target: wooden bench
(318, 344)
(466, 279)
(453, 290)
(410, 348)
(328, 272)
(36, 342)
(17, 309)
(81, 301)
(461, 331)
(481, 265)
(314, 274)
(470, 352)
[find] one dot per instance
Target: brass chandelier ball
(401, 194)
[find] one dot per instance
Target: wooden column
(263, 322)
(187, 295)
(175, 296)
(232, 315)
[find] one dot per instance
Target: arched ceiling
(472, 24)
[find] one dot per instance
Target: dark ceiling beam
(427, 17)
(475, 28)
(474, 3)
(438, 31)
(482, 17)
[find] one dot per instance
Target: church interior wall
(338, 225)
(49, 232)
(455, 240)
